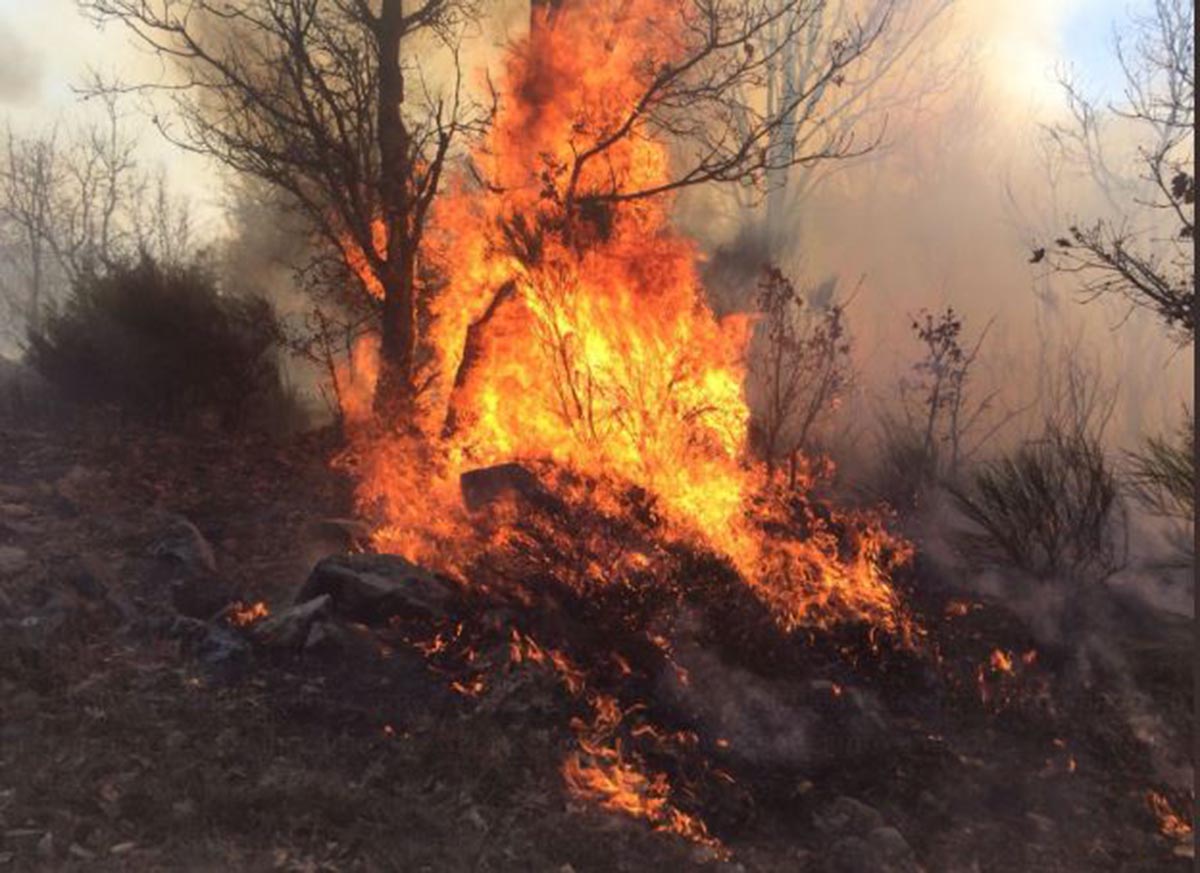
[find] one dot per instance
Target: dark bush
(163, 344)
(1050, 509)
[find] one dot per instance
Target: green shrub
(162, 344)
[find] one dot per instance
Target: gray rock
(289, 629)
(373, 588)
(184, 563)
(181, 544)
(488, 484)
(223, 653)
(847, 816)
(338, 639)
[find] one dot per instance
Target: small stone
(489, 484)
(12, 560)
(181, 542)
(77, 851)
(1044, 824)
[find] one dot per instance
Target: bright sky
(46, 46)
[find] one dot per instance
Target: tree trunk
(395, 389)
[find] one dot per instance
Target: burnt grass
(121, 748)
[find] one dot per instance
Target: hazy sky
(46, 46)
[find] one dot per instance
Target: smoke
(21, 73)
(947, 212)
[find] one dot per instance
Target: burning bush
(162, 343)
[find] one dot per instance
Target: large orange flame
(575, 329)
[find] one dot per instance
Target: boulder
(891, 845)
(488, 484)
(853, 855)
(373, 588)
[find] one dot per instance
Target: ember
(1170, 823)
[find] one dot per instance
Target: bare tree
(1144, 255)
(880, 83)
(336, 104)
(80, 204)
(30, 174)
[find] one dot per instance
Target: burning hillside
(573, 581)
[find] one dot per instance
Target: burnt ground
(123, 747)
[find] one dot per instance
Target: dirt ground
(120, 750)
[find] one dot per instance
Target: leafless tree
(334, 102)
(29, 176)
(79, 203)
(1145, 254)
(892, 76)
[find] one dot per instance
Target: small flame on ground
(243, 615)
(1170, 823)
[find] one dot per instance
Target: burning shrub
(162, 343)
(1049, 509)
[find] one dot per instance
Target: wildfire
(571, 330)
(578, 333)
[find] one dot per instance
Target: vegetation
(161, 343)
(1145, 254)
(801, 366)
(1049, 509)
(1163, 473)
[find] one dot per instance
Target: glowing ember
(1001, 661)
(243, 615)
(1170, 823)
